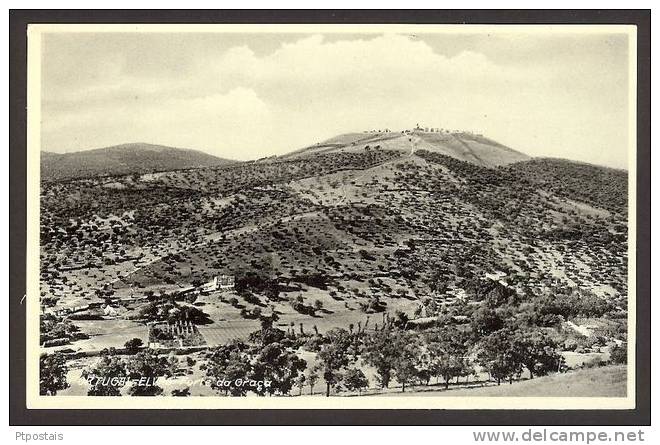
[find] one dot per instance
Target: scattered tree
(52, 374)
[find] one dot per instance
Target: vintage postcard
(331, 216)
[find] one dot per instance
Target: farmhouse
(226, 282)
(80, 308)
(222, 282)
(211, 286)
(497, 276)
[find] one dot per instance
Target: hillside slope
(595, 185)
(121, 160)
(463, 146)
(346, 227)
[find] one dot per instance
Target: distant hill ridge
(123, 159)
(145, 158)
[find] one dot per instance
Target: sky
(245, 96)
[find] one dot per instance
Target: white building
(211, 286)
(222, 282)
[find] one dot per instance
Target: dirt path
(414, 140)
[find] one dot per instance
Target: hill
(346, 227)
(592, 184)
(463, 146)
(122, 160)
(382, 240)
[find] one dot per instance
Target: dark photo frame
(20, 415)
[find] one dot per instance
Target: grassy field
(106, 334)
(608, 381)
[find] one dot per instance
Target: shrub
(133, 345)
(619, 354)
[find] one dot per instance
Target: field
(609, 381)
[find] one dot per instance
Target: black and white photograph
(331, 216)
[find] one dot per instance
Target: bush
(251, 314)
(619, 354)
(355, 380)
(133, 345)
(302, 308)
(252, 299)
(318, 280)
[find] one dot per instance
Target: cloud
(352, 69)
(240, 102)
(212, 122)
